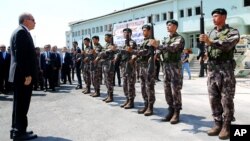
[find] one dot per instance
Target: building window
(157, 18)
(181, 13)
(191, 41)
(189, 12)
(149, 19)
(109, 27)
(89, 31)
(78, 33)
(197, 10)
(130, 20)
(136, 18)
(83, 32)
(105, 27)
(93, 30)
(97, 29)
(86, 31)
(171, 15)
(101, 28)
(164, 16)
(246, 3)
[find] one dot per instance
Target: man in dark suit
(47, 64)
(66, 64)
(4, 70)
(57, 66)
(22, 72)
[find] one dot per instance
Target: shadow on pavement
(50, 138)
(5, 98)
(197, 123)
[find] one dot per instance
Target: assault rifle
(201, 45)
(151, 66)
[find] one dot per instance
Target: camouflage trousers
(221, 89)
(129, 82)
(87, 76)
(96, 78)
(109, 80)
(147, 84)
(173, 84)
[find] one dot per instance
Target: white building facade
(186, 12)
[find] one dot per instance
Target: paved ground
(69, 115)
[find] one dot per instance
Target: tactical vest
(144, 46)
(217, 54)
(171, 56)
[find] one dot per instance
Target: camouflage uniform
(147, 80)
(88, 68)
(129, 75)
(96, 73)
(221, 80)
(172, 66)
(108, 68)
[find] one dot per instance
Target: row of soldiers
(220, 44)
(95, 60)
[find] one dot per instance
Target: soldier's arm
(176, 46)
(226, 44)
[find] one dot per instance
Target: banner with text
(134, 25)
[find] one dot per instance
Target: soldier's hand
(153, 43)
(129, 49)
(205, 38)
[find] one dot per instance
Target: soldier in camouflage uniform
(221, 81)
(147, 79)
(172, 66)
(88, 65)
(108, 68)
(97, 72)
(108, 39)
(128, 69)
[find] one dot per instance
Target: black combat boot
(142, 111)
(216, 129)
(87, 91)
(130, 104)
(175, 118)
(125, 103)
(149, 110)
(110, 98)
(169, 115)
(97, 93)
(106, 97)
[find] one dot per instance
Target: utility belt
(221, 65)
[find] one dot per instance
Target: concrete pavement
(69, 115)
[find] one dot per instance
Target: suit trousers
(22, 97)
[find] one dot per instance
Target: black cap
(172, 22)
(220, 11)
(148, 27)
(108, 35)
(127, 29)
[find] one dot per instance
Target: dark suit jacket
(67, 59)
(4, 64)
(23, 57)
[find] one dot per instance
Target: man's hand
(153, 43)
(129, 49)
(204, 38)
(27, 80)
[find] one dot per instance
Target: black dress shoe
(13, 133)
(24, 136)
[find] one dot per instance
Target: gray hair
(23, 17)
